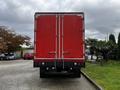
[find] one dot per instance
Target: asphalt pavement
(20, 75)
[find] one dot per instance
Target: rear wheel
(77, 72)
(42, 73)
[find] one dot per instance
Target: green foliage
(118, 52)
(10, 41)
(119, 40)
(112, 38)
(92, 43)
(108, 49)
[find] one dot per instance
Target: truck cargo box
(59, 41)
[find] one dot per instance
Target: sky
(102, 17)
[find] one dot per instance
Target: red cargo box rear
(59, 36)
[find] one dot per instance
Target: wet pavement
(20, 75)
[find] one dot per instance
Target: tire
(42, 73)
(77, 73)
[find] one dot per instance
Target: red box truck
(59, 42)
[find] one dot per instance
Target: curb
(91, 81)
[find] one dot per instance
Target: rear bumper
(59, 63)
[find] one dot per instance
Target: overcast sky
(102, 17)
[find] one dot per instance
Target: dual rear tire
(42, 73)
(77, 73)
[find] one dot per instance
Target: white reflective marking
(59, 36)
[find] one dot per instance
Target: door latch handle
(52, 52)
(66, 52)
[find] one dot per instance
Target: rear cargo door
(73, 37)
(46, 30)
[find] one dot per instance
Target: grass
(107, 76)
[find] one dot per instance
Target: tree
(12, 41)
(113, 54)
(112, 38)
(92, 43)
(102, 48)
(118, 53)
(119, 40)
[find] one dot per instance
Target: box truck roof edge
(59, 13)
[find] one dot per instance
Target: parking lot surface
(20, 75)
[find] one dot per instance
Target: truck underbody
(72, 68)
